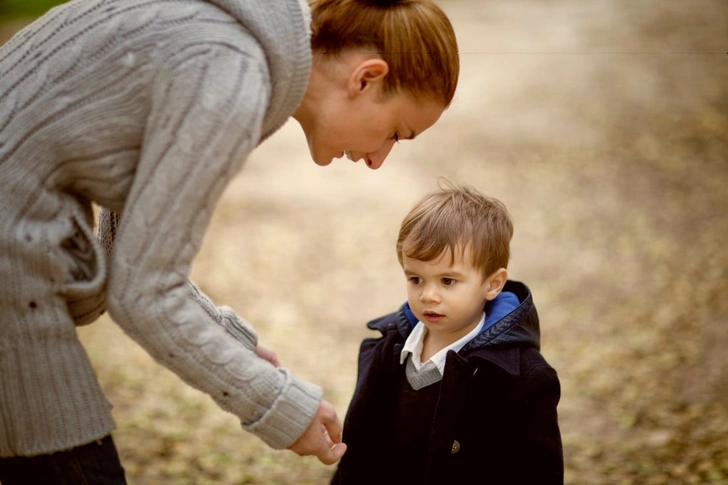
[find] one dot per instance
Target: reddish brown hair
(414, 37)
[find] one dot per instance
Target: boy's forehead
(461, 258)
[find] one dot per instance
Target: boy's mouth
(432, 316)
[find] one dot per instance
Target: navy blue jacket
(495, 421)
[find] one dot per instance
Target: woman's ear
(366, 74)
(494, 284)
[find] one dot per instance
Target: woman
(148, 108)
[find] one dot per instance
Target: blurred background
(603, 126)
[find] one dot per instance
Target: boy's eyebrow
(446, 274)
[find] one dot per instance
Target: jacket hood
(511, 320)
(282, 27)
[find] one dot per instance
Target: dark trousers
(96, 463)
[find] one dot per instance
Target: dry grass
(603, 126)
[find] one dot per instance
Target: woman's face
(369, 129)
(354, 118)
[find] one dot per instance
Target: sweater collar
(282, 27)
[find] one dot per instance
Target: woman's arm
(208, 106)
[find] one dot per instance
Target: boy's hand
(317, 439)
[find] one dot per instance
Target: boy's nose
(429, 294)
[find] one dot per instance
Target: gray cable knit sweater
(147, 108)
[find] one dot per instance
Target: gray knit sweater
(147, 108)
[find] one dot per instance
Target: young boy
(455, 390)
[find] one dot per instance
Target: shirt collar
(415, 340)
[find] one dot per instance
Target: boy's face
(449, 299)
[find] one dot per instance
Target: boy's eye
(448, 281)
(415, 279)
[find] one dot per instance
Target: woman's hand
(267, 354)
(323, 436)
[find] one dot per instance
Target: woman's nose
(376, 159)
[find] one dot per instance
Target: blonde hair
(414, 37)
(454, 218)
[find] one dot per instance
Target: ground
(603, 126)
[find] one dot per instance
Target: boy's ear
(367, 74)
(495, 282)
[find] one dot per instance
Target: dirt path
(603, 127)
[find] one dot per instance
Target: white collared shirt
(414, 343)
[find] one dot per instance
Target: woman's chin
(322, 160)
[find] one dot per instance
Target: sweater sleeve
(208, 104)
(224, 316)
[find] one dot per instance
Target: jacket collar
(519, 327)
(500, 343)
(506, 358)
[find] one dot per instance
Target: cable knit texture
(147, 108)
